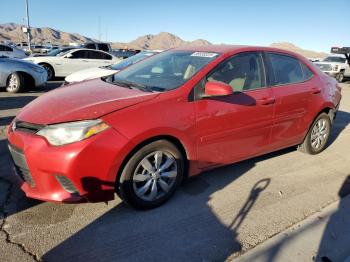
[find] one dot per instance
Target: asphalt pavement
(219, 215)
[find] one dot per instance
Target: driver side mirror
(68, 55)
(217, 89)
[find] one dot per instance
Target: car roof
(233, 48)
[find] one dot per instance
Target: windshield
(131, 60)
(165, 71)
(335, 59)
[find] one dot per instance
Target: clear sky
(310, 24)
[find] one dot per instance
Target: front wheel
(50, 71)
(340, 77)
(317, 137)
(151, 175)
(15, 83)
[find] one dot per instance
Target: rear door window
(286, 69)
(306, 72)
(80, 54)
(99, 55)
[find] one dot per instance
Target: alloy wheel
(319, 134)
(13, 83)
(155, 175)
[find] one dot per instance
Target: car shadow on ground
(184, 229)
(12, 199)
(334, 242)
(334, 245)
(340, 123)
(14, 102)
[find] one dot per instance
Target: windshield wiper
(133, 85)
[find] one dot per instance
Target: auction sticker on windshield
(204, 54)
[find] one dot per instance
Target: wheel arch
(28, 78)
(328, 109)
(172, 139)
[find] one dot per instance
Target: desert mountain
(13, 32)
(162, 40)
(291, 47)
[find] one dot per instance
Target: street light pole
(28, 27)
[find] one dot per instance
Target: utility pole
(28, 27)
(99, 28)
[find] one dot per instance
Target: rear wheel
(151, 175)
(50, 71)
(15, 83)
(317, 137)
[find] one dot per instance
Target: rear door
(238, 126)
(295, 90)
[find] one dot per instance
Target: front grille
(26, 127)
(21, 165)
(325, 67)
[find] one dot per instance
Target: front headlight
(66, 133)
(335, 68)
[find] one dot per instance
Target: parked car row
(76, 64)
(73, 60)
(102, 71)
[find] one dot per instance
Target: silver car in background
(16, 75)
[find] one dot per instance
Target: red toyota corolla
(140, 132)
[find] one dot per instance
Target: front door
(238, 126)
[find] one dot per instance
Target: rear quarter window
(307, 73)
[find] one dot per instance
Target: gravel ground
(215, 216)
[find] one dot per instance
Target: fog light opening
(66, 184)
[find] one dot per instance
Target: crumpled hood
(90, 73)
(81, 101)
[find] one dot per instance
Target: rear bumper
(88, 167)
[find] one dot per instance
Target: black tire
(50, 71)
(126, 187)
(15, 83)
(309, 145)
(340, 77)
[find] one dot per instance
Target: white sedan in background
(73, 61)
(11, 51)
(102, 71)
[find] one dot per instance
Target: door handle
(267, 101)
(315, 90)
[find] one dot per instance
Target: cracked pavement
(215, 216)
